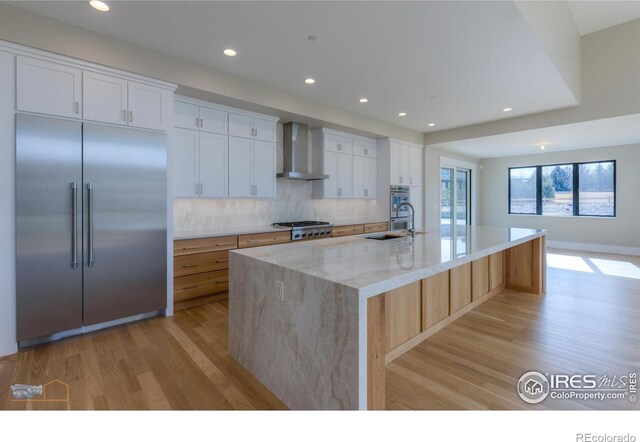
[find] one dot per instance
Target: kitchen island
(316, 321)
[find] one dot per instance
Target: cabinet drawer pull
(130, 116)
(218, 261)
(76, 107)
(191, 287)
(186, 266)
(223, 244)
(222, 281)
(190, 248)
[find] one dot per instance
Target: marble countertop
(227, 231)
(373, 267)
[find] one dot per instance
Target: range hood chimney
(296, 154)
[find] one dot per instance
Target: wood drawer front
(357, 229)
(264, 239)
(200, 263)
(376, 227)
(201, 245)
(192, 286)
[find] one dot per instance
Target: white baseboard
(602, 248)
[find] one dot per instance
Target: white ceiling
(597, 133)
(592, 16)
(475, 57)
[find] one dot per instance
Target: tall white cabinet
(221, 152)
(349, 160)
(405, 166)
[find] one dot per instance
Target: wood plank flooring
(588, 322)
(178, 363)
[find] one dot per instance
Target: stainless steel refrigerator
(90, 225)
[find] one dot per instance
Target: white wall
(7, 206)
(623, 231)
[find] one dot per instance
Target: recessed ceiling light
(507, 109)
(363, 100)
(311, 38)
(402, 114)
(229, 52)
(309, 81)
(100, 6)
(542, 147)
(431, 124)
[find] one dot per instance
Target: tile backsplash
(293, 203)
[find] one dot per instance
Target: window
(522, 190)
(575, 189)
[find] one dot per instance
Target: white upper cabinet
(370, 178)
(199, 164)
(193, 116)
(104, 98)
(213, 120)
(185, 164)
(247, 126)
(415, 166)
(351, 163)
(365, 177)
(252, 168)
(405, 164)
(264, 169)
(365, 148)
(48, 88)
(240, 165)
(213, 164)
(186, 115)
(149, 106)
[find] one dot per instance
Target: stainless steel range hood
(296, 154)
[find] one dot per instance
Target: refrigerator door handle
(90, 223)
(74, 225)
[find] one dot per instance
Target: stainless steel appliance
(399, 219)
(90, 225)
(307, 229)
(295, 153)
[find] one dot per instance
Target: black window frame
(575, 190)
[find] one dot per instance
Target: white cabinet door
(185, 115)
(345, 145)
(331, 168)
(213, 163)
(240, 126)
(48, 88)
(415, 197)
(240, 165)
(264, 169)
(264, 130)
(185, 163)
(370, 178)
(213, 120)
(345, 184)
(358, 177)
(148, 106)
(331, 142)
(104, 98)
(415, 166)
(394, 164)
(365, 148)
(404, 162)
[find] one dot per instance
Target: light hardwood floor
(586, 323)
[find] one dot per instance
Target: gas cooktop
(307, 229)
